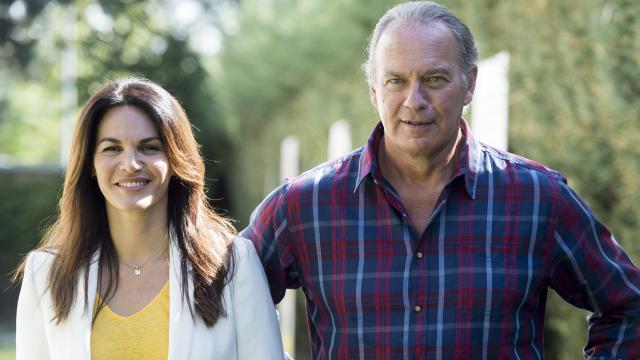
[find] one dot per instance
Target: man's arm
(269, 232)
(592, 271)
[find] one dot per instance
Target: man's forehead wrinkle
(414, 59)
(405, 30)
(438, 69)
(419, 44)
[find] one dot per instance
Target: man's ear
(373, 96)
(471, 84)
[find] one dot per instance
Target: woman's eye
(110, 149)
(150, 148)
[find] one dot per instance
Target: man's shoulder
(504, 163)
(333, 173)
(327, 176)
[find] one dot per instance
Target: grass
(7, 353)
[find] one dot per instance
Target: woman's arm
(257, 330)
(31, 340)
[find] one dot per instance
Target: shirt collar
(468, 163)
(369, 159)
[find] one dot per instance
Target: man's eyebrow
(392, 74)
(438, 70)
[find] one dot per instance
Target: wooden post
(289, 167)
(490, 106)
(339, 140)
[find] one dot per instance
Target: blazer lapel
(93, 288)
(181, 323)
(81, 324)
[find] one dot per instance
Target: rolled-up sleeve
(269, 232)
(592, 271)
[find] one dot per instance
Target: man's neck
(401, 169)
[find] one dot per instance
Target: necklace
(137, 269)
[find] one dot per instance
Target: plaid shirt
(473, 286)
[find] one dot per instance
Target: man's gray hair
(424, 12)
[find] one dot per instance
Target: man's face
(418, 88)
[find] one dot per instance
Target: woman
(137, 265)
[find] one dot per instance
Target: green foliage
(138, 40)
(27, 128)
(30, 104)
(29, 200)
(7, 353)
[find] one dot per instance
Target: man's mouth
(417, 123)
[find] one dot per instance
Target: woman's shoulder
(37, 266)
(248, 277)
(243, 248)
(39, 259)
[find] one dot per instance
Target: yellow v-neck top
(143, 335)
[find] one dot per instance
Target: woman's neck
(137, 235)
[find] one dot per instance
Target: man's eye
(436, 79)
(394, 82)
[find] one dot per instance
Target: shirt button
(417, 308)
(419, 255)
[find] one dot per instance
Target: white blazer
(250, 330)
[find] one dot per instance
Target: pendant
(136, 270)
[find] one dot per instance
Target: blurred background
(252, 72)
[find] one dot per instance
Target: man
(428, 244)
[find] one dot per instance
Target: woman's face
(130, 161)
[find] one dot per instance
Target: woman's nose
(131, 161)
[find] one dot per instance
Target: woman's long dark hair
(203, 237)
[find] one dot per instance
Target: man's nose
(416, 97)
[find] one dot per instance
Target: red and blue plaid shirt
(473, 286)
